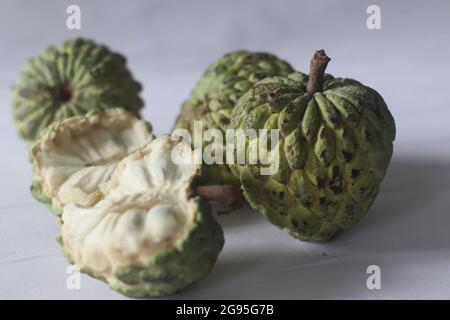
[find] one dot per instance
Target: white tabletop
(169, 44)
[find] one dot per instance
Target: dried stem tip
(317, 68)
(230, 196)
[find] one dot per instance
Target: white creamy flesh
(78, 156)
(146, 208)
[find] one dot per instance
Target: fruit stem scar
(317, 68)
(64, 93)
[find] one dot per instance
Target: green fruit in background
(335, 144)
(73, 79)
(216, 93)
(74, 158)
(148, 236)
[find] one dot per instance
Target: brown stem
(316, 71)
(229, 195)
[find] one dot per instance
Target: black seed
(281, 194)
(323, 201)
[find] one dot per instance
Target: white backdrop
(169, 44)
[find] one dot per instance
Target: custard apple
(215, 94)
(335, 144)
(75, 157)
(78, 77)
(148, 236)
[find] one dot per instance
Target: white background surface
(169, 44)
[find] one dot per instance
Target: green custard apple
(335, 143)
(75, 157)
(216, 93)
(149, 235)
(78, 77)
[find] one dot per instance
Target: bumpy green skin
(73, 79)
(169, 271)
(335, 148)
(216, 93)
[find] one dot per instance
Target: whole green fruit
(78, 77)
(216, 93)
(335, 144)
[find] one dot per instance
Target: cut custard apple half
(75, 158)
(150, 235)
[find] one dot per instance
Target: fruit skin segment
(74, 158)
(148, 236)
(334, 149)
(71, 80)
(216, 93)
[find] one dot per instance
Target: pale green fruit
(78, 77)
(334, 149)
(215, 94)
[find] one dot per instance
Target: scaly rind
(335, 147)
(94, 78)
(216, 93)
